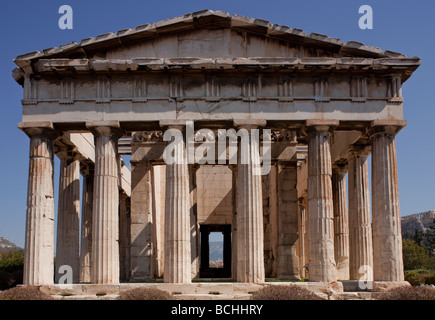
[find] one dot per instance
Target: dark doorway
(220, 265)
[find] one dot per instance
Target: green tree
(414, 256)
(418, 236)
(12, 261)
(429, 239)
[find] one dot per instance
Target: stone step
(336, 296)
(85, 297)
(360, 295)
(352, 286)
(241, 296)
(176, 297)
(217, 291)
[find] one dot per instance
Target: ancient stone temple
(234, 125)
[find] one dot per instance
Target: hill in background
(420, 228)
(6, 245)
(216, 250)
(419, 221)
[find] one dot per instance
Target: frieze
(147, 136)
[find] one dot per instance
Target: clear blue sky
(403, 26)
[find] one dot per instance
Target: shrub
(414, 256)
(421, 271)
(145, 294)
(429, 278)
(408, 293)
(414, 278)
(6, 280)
(281, 292)
(18, 275)
(24, 293)
(12, 261)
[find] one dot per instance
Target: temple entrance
(215, 253)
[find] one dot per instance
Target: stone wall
(214, 185)
(280, 218)
(159, 179)
(287, 242)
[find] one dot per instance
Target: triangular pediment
(217, 29)
(212, 40)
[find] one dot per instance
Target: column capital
(391, 127)
(358, 151)
(39, 129)
(174, 124)
(302, 201)
(105, 128)
(321, 125)
(153, 136)
(340, 168)
(67, 153)
(249, 123)
(87, 169)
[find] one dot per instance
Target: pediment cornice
(81, 55)
(209, 19)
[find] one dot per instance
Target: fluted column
(302, 237)
(250, 238)
(341, 227)
(105, 220)
(360, 230)
(387, 238)
(124, 237)
(177, 212)
(86, 226)
(194, 226)
(234, 198)
(320, 226)
(68, 217)
(39, 239)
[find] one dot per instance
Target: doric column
(320, 226)
(341, 227)
(86, 225)
(39, 240)
(387, 238)
(194, 227)
(158, 228)
(68, 216)
(177, 208)
(105, 220)
(124, 236)
(302, 218)
(234, 198)
(250, 239)
(360, 230)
